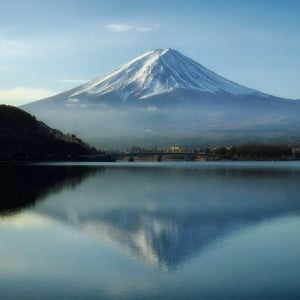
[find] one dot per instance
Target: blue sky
(50, 46)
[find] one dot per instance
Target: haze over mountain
(163, 97)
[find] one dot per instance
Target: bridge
(158, 156)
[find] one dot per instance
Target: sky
(47, 47)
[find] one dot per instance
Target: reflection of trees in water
(23, 185)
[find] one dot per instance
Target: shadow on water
(165, 216)
(22, 186)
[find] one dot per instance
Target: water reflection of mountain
(23, 185)
(165, 216)
(164, 242)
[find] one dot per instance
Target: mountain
(155, 73)
(164, 97)
(23, 137)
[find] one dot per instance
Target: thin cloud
(19, 96)
(150, 28)
(118, 27)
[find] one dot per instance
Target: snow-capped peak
(160, 71)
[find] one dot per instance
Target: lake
(168, 230)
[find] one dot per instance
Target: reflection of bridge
(159, 156)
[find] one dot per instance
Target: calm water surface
(150, 231)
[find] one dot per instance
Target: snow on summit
(158, 72)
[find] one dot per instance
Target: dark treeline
(23, 137)
(256, 152)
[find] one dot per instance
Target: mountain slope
(163, 97)
(22, 135)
